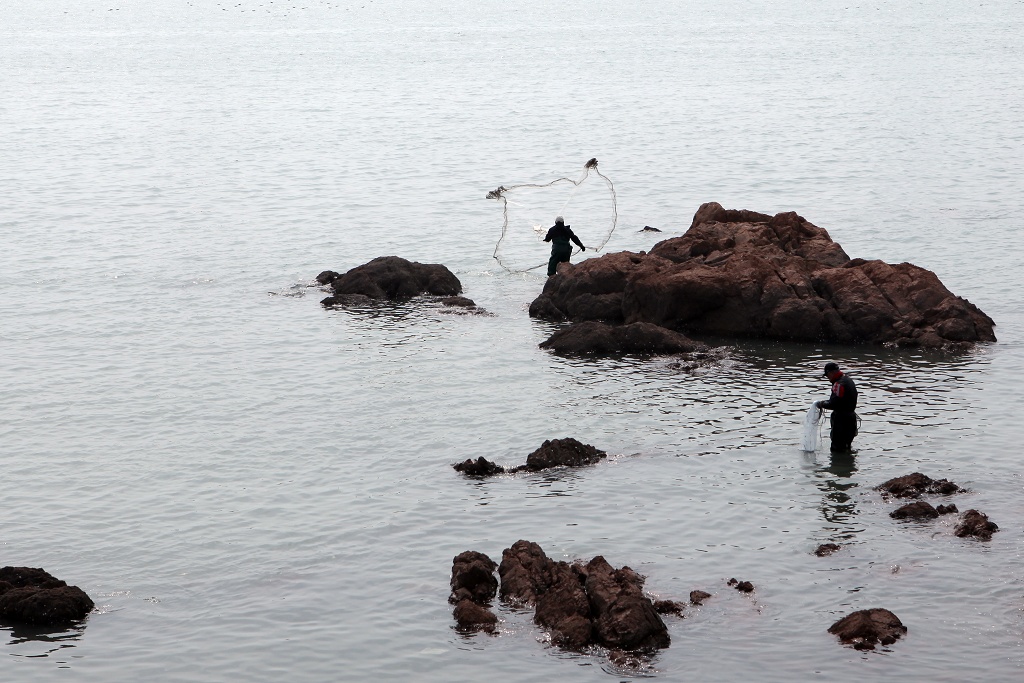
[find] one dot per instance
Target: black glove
(583, 248)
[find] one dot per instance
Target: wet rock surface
(567, 452)
(390, 278)
(583, 604)
(977, 525)
(698, 597)
(915, 485)
(481, 467)
(867, 628)
(32, 596)
(743, 273)
(917, 510)
(826, 549)
(473, 586)
(741, 586)
(596, 338)
(946, 509)
(669, 607)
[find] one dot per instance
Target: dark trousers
(844, 428)
(560, 253)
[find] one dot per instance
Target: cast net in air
(529, 209)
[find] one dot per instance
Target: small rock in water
(566, 452)
(473, 617)
(916, 510)
(913, 485)
(946, 509)
(481, 467)
(698, 597)
(473, 578)
(742, 586)
(976, 524)
(867, 627)
(32, 596)
(648, 228)
(826, 549)
(669, 607)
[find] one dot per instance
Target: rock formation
(741, 586)
(919, 509)
(698, 597)
(976, 524)
(32, 596)
(567, 452)
(866, 628)
(473, 587)
(582, 604)
(389, 278)
(743, 273)
(593, 337)
(916, 484)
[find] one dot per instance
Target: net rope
(501, 192)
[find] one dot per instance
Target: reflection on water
(838, 505)
(53, 640)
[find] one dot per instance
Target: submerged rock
(976, 524)
(868, 627)
(669, 607)
(638, 338)
(916, 484)
(917, 510)
(32, 596)
(392, 278)
(648, 228)
(946, 509)
(826, 549)
(743, 273)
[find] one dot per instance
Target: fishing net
(812, 422)
(529, 209)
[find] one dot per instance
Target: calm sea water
(253, 488)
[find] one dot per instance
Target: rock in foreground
(868, 627)
(390, 278)
(638, 338)
(473, 587)
(32, 596)
(582, 604)
(743, 273)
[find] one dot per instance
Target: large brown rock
(741, 273)
(32, 596)
(564, 607)
(592, 337)
(866, 628)
(392, 278)
(919, 509)
(473, 617)
(525, 572)
(623, 617)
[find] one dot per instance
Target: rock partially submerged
(473, 587)
(389, 278)
(567, 452)
(743, 273)
(826, 549)
(741, 586)
(641, 338)
(32, 596)
(868, 627)
(698, 597)
(946, 509)
(582, 604)
(915, 485)
(919, 509)
(976, 525)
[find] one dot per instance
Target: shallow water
(254, 488)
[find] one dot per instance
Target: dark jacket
(561, 234)
(844, 396)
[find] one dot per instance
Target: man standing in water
(559, 236)
(842, 403)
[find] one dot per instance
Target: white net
(812, 420)
(529, 209)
